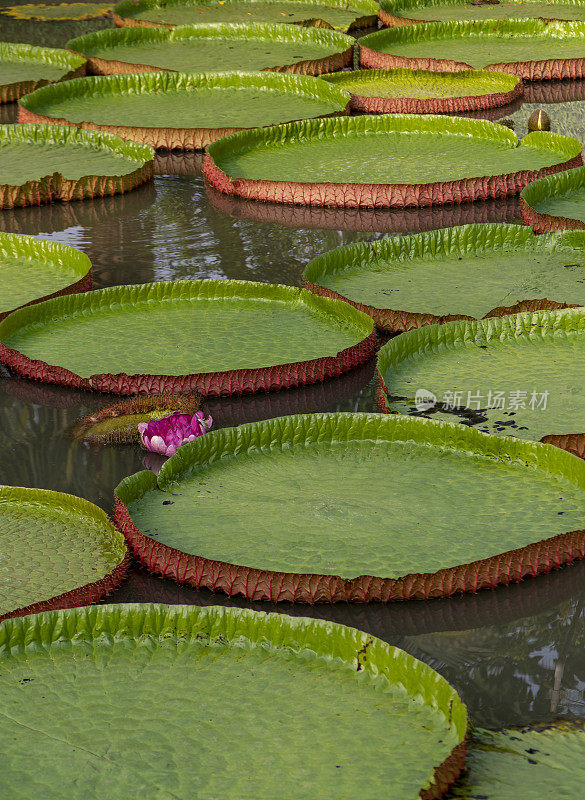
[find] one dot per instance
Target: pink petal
(158, 445)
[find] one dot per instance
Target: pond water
(515, 654)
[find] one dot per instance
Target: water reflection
(498, 113)
(172, 162)
(8, 113)
(366, 220)
(36, 448)
(168, 230)
(529, 670)
(110, 230)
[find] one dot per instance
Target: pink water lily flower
(166, 435)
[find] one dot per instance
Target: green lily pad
(215, 48)
(555, 204)
(393, 12)
(530, 763)
(426, 91)
(520, 375)
(24, 68)
(405, 282)
(344, 16)
(43, 163)
(56, 550)
(32, 269)
(217, 337)
(175, 110)
(153, 685)
(533, 48)
(41, 150)
(346, 485)
(421, 84)
(59, 11)
(388, 160)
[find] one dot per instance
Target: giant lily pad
(555, 205)
(24, 68)
(57, 551)
(215, 48)
(372, 506)
(531, 762)
(134, 676)
(32, 270)
(349, 15)
(500, 45)
(406, 12)
(215, 337)
(469, 272)
(172, 110)
(519, 375)
(43, 163)
(58, 12)
(406, 91)
(384, 161)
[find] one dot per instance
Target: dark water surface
(516, 654)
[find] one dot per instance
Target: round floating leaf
(118, 424)
(406, 91)
(217, 47)
(214, 337)
(44, 163)
(24, 68)
(201, 107)
(473, 271)
(372, 506)
(552, 205)
(58, 12)
(148, 682)
(520, 375)
(32, 269)
(501, 45)
(532, 762)
(352, 15)
(405, 12)
(57, 551)
(391, 160)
